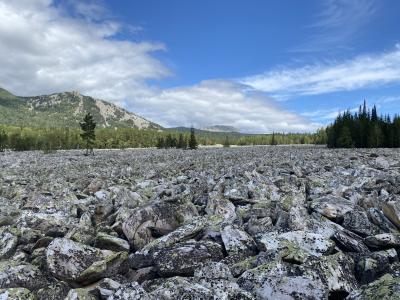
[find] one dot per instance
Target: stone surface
(240, 223)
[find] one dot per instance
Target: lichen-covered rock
(79, 294)
(71, 261)
(184, 258)
(131, 291)
(391, 209)
(237, 242)
(371, 266)
(240, 223)
(383, 240)
(313, 243)
(332, 207)
(155, 219)
(109, 242)
(16, 294)
(15, 274)
(180, 288)
(291, 288)
(385, 288)
(8, 244)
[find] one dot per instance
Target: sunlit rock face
(235, 223)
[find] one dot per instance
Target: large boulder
(312, 243)
(332, 207)
(237, 242)
(70, 261)
(149, 222)
(184, 258)
(385, 288)
(8, 244)
(15, 274)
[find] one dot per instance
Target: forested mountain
(67, 109)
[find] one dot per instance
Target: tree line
(52, 139)
(364, 129)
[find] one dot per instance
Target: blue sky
(260, 66)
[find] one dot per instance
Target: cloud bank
(45, 47)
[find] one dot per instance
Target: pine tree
(226, 142)
(88, 126)
(273, 142)
(3, 140)
(181, 142)
(344, 139)
(160, 143)
(192, 141)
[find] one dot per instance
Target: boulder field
(271, 222)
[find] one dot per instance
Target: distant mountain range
(68, 109)
(65, 110)
(221, 128)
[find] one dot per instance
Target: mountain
(65, 110)
(221, 128)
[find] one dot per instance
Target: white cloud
(361, 72)
(44, 49)
(222, 102)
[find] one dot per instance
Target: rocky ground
(242, 223)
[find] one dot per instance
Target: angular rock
(130, 291)
(385, 288)
(156, 219)
(74, 262)
(312, 243)
(109, 242)
(391, 209)
(237, 242)
(183, 259)
(15, 274)
(16, 294)
(383, 240)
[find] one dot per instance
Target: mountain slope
(65, 110)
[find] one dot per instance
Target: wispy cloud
(338, 23)
(361, 72)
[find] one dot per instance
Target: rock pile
(239, 223)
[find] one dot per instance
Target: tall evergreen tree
(273, 142)
(226, 144)
(344, 139)
(181, 142)
(192, 140)
(3, 139)
(89, 136)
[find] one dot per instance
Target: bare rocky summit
(239, 223)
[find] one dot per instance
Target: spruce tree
(344, 139)
(273, 140)
(3, 140)
(226, 142)
(181, 142)
(192, 141)
(88, 126)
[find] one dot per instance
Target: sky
(259, 66)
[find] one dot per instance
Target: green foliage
(226, 144)
(3, 139)
(182, 142)
(192, 140)
(363, 130)
(89, 136)
(273, 140)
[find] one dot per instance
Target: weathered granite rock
(74, 262)
(184, 258)
(15, 274)
(385, 288)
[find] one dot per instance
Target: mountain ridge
(65, 109)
